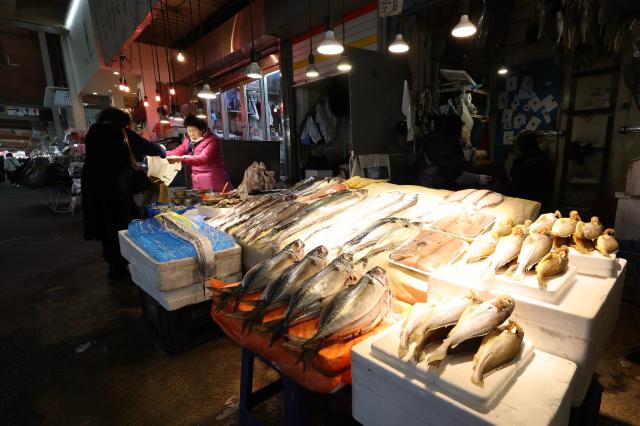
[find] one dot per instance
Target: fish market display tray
(466, 224)
(211, 212)
(556, 286)
(453, 377)
(593, 263)
(166, 276)
(384, 395)
(428, 251)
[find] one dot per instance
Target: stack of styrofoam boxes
(177, 283)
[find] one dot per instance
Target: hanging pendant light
(344, 64)
(178, 116)
(464, 28)
(312, 71)
(503, 70)
(253, 70)
(158, 97)
(180, 56)
(201, 113)
(398, 45)
(145, 102)
(172, 90)
(163, 117)
(206, 92)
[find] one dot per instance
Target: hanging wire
(251, 22)
(344, 28)
(144, 86)
(155, 48)
(195, 56)
(167, 50)
(204, 63)
(310, 41)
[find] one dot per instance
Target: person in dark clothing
(107, 197)
(441, 157)
(532, 173)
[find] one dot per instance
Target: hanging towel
(310, 132)
(406, 110)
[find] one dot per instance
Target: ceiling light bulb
(180, 57)
(312, 71)
(206, 92)
(116, 73)
(94, 93)
(398, 45)
(503, 70)
(164, 119)
(253, 70)
(172, 90)
(464, 28)
(158, 98)
(344, 64)
(146, 102)
(201, 113)
(178, 116)
(329, 45)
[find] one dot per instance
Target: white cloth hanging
(311, 129)
(407, 110)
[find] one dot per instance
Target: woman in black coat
(107, 196)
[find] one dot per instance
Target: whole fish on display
(475, 321)
(417, 315)
(265, 273)
(355, 310)
(489, 200)
(370, 236)
(481, 248)
(565, 226)
(501, 346)
(503, 228)
(552, 265)
(279, 292)
(506, 250)
(606, 243)
(445, 314)
(394, 238)
(581, 243)
(545, 222)
(534, 248)
(308, 300)
(590, 230)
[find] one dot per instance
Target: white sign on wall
(389, 7)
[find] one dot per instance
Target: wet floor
(73, 350)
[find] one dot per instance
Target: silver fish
(318, 211)
(444, 314)
(507, 249)
(278, 292)
(394, 238)
(353, 311)
(534, 248)
(498, 348)
(308, 300)
(370, 236)
(417, 315)
(265, 273)
(544, 222)
(475, 321)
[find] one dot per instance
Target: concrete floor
(73, 350)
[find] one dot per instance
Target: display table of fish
(453, 377)
(385, 394)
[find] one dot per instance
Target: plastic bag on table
(164, 246)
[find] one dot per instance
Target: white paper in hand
(160, 169)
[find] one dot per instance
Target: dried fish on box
(475, 321)
(445, 314)
(545, 222)
(607, 243)
(507, 249)
(498, 348)
(534, 248)
(553, 264)
(355, 310)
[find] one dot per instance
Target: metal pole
(289, 113)
(48, 74)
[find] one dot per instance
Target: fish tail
(477, 378)
(417, 351)
(439, 354)
(277, 330)
(403, 349)
(252, 319)
(307, 355)
(542, 281)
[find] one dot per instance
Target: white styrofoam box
(383, 395)
(453, 376)
(593, 263)
(576, 328)
(556, 286)
(318, 173)
(627, 217)
(177, 273)
(180, 297)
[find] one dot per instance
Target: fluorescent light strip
(73, 9)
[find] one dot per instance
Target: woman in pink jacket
(202, 151)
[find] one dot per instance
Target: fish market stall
(329, 265)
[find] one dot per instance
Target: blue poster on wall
(528, 99)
